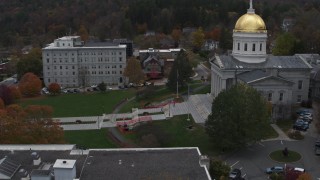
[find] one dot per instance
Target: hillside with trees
(38, 22)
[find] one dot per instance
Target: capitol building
(282, 80)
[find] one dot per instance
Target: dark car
(235, 174)
(275, 169)
(301, 125)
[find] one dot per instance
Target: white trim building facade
(71, 63)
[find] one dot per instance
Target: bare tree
(84, 75)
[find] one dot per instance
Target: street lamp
(188, 105)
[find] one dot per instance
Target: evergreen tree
(181, 71)
(238, 116)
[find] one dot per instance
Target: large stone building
(283, 80)
(72, 63)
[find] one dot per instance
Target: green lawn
(285, 125)
(269, 133)
(279, 157)
(68, 105)
(89, 138)
(172, 133)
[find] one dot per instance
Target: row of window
(253, 47)
(86, 53)
(93, 59)
(281, 97)
(86, 67)
(86, 72)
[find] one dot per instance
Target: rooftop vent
(204, 161)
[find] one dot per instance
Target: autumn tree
(180, 72)
(31, 62)
(238, 115)
(305, 176)
(198, 39)
(214, 34)
(15, 93)
(54, 88)
(35, 125)
(83, 32)
(134, 72)
(1, 104)
(5, 94)
(30, 85)
(285, 45)
(176, 35)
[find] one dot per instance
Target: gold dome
(250, 22)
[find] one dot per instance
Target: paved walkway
(282, 135)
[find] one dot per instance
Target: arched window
(253, 47)
(245, 47)
(260, 46)
(238, 46)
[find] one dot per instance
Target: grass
(269, 133)
(279, 157)
(285, 125)
(89, 138)
(172, 133)
(73, 105)
(206, 89)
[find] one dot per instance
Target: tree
(31, 62)
(238, 115)
(1, 104)
(54, 88)
(180, 71)
(83, 76)
(134, 72)
(30, 85)
(15, 93)
(83, 33)
(35, 125)
(284, 45)
(304, 176)
(198, 39)
(102, 86)
(176, 35)
(217, 169)
(275, 176)
(225, 41)
(5, 94)
(215, 34)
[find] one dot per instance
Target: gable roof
(258, 75)
(280, 62)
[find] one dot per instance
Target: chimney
(64, 169)
(36, 158)
(204, 161)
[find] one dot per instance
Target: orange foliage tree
(15, 92)
(30, 85)
(30, 125)
(54, 88)
(176, 35)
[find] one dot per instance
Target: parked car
(147, 83)
(275, 169)
(306, 118)
(76, 90)
(235, 174)
(303, 111)
(301, 125)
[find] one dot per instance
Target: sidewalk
(282, 136)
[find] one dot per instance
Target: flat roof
(64, 163)
(151, 163)
(38, 147)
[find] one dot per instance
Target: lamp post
(188, 105)
(177, 85)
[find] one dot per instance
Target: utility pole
(188, 105)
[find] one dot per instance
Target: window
(269, 96)
(120, 66)
(280, 110)
(299, 97)
(49, 80)
(47, 60)
(245, 47)
(300, 84)
(238, 46)
(281, 96)
(60, 67)
(120, 59)
(253, 47)
(260, 46)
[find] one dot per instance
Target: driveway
(255, 159)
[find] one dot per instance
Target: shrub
(295, 135)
